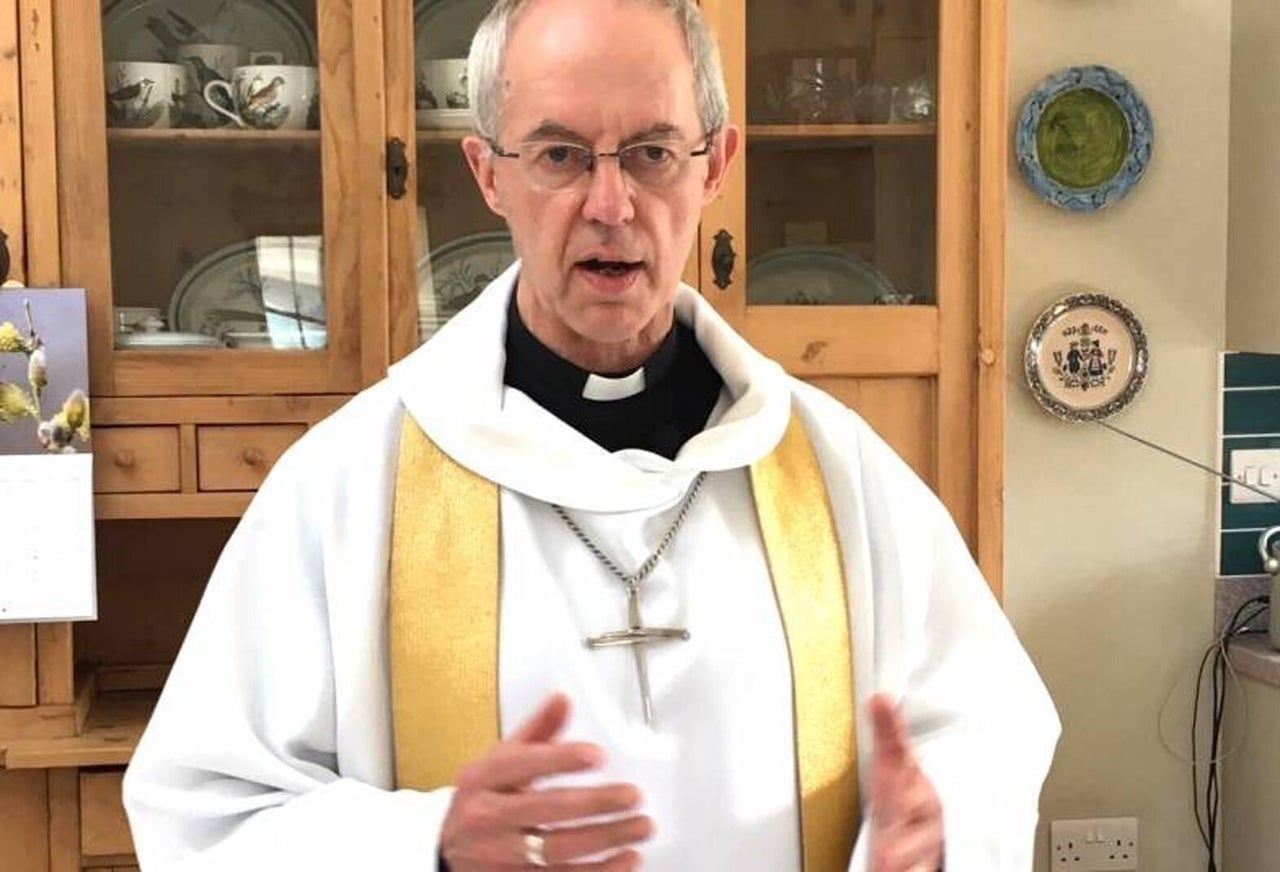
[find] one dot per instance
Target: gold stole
(443, 627)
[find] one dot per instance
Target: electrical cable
(1220, 669)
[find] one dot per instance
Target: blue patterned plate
(1084, 138)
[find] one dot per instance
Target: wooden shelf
(111, 732)
(219, 136)
(141, 676)
(834, 133)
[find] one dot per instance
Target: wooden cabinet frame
(953, 351)
(354, 209)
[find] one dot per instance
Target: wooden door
(445, 244)
(865, 223)
(12, 220)
(264, 234)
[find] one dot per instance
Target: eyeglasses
(558, 165)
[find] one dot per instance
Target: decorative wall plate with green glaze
(1084, 138)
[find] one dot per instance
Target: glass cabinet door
(222, 189)
(841, 152)
(458, 245)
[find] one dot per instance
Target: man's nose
(609, 196)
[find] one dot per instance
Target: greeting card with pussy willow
(47, 570)
(44, 372)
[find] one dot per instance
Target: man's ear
(724, 145)
(478, 158)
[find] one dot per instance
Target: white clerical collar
(605, 388)
(453, 385)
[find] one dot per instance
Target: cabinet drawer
(238, 458)
(135, 459)
(104, 830)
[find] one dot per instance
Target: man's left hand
(906, 814)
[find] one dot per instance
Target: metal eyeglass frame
(594, 156)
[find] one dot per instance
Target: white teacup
(267, 96)
(205, 63)
(442, 84)
(145, 93)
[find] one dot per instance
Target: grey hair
(488, 51)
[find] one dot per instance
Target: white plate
(456, 272)
(444, 28)
(166, 340)
(225, 292)
(222, 291)
(259, 25)
(1086, 357)
(445, 119)
(253, 339)
(814, 274)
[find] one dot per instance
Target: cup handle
(219, 85)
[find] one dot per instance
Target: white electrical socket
(1094, 844)
(1259, 467)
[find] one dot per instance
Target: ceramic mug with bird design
(145, 94)
(207, 62)
(268, 96)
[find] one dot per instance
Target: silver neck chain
(633, 580)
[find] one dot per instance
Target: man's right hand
(495, 805)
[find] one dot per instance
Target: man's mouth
(611, 268)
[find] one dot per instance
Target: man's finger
(890, 733)
(513, 765)
(546, 722)
(540, 808)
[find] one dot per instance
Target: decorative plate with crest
(1086, 357)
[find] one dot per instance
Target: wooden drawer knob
(123, 458)
(253, 456)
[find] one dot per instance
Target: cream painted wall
(1109, 554)
(1253, 273)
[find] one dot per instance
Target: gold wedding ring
(534, 848)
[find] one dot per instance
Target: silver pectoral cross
(639, 637)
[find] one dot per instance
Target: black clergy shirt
(680, 390)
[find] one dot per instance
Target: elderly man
(587, 582)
